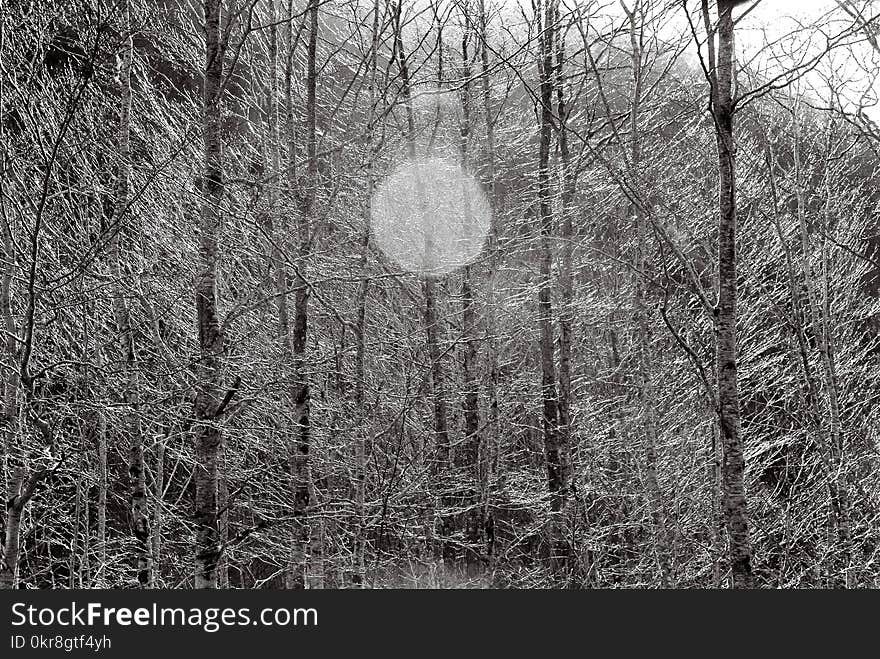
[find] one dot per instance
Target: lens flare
(430, 216)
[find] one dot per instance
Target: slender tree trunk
(471, 402)
(85, 579)
(223, 518)
(299, 451)
(647, 393)
(566, 310)
(567, 184)
(24, 487)
(277, 227)
(732, 461)
(101, 439)
(438, 372)
(12, 458)
(315, 517)
(716, 517)
(96, 429)
(9, 568)
(555, 450)
(433, 326)
(432, 322)
(9, 417)
(158, 517)
(89, 427)
(139, 520)
(360, 457)
(74, 570)
(208, 436)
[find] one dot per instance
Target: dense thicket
(213, 376)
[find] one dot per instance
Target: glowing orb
(430, 216)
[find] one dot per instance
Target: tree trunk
(139, 520)
(489, 456)
(9, 568)
(554, 448)
(23, 489)
(208, 436)
(223, 518)
(567, 184)
(9, 418)
(158, 517)
(470, 396)
(732, 460)
(100, 431)
(360, 457)
(299, 449)
(12, 457)
(433, 325)
(647, 393)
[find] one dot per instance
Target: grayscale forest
(440, 294)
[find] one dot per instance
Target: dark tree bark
(491, 446)
(9, 418)
(556, 454)
(732, 459)
(208, 435)
(433, 326)
(303, 493)
(139, 520)
(22, 490)
(470, 396)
